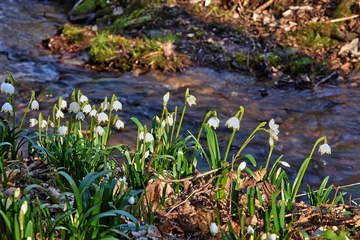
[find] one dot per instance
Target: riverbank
(285, 44)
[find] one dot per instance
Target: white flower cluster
(7, 88)
(80, 109)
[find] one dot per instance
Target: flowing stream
(303, 116)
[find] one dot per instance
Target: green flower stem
(269, 156)
(206, 118)
(251, 136)
(274, 165)
(181, 120)
(229, 145)
(173, 128)
(303, 168)
(108, 127)
(27, 109)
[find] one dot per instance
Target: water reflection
(304, 116)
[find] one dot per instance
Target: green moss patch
(316, 35)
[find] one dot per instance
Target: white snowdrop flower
(63, 130)
(273, 130)
(117, 105)
(105, 107)
(63, 104)
(6, 107)
(102, 117)
(99, 130)
(33, 122)
(166, 98)
(123, 179)
(170, 120)
(242, 165)
(325, 148)
(7, 88)
(51, 124)
(163, 123)
(146, 154)
(207, 3)
(213, 122)
(59, 114)
(83, 99)
(74, 107)
(191, 100)
(131, 200)
(250, 230)
(119, 124)
(80, 116)
(92, 113)
(214, 228)
(87, 108)
(233, 122)
(43, 124)
(34, 105)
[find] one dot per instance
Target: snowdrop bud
(17, 193)
(34, 105)
(166, 98)
(117, 105)
(33, 122)
(83, 99)
(242, 166)
(123, 179)
(102, 117)
(214, 228)
(59, 114)
(99, 130)
(131, 200)
(170, 120)
(191, 100)
(233, 122)
(74, 107)
(24, 207)
(163, 123)
(285, 164)
(6, 107)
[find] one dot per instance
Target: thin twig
(340, 187)
(264, 6)
(325, 79)
(189, 178)
(344, 18)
